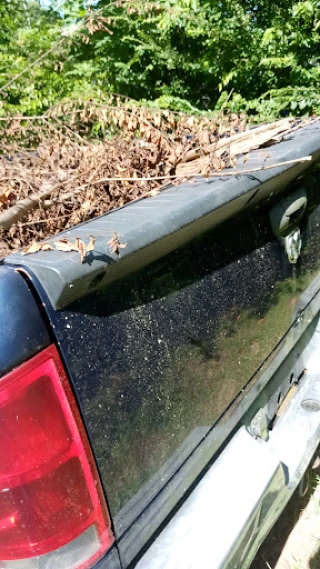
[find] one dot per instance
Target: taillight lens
(52, 510)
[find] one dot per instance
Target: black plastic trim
(23, 332)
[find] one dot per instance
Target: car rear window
(157, 357)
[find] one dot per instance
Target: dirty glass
(157, 357)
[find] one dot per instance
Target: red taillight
(52, 510)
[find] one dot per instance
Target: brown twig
(23, 207)
(21, 118)
(197, 175)
(50, 219)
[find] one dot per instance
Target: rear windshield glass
(157, 357)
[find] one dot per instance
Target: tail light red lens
(52, 510)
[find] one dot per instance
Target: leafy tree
(193, 51)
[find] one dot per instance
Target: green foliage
(183, 54)
(287, 101)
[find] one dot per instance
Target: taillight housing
(52, 510)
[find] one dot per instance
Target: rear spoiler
(155, 226)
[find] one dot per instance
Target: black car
(160, 403)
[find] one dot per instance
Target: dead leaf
(4, 249)
(87, 205)
(115, 244)
(35, 247)
(5, 196)
(46, 247)
(91, 244)
(81, 248)
(206, 171)
(157, 120)
(190, 122)
(234, 120)
(85, 39)
(204, 138)
(65, 245)
(243, 122)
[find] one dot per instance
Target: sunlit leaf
(36, 247)
(115, 244)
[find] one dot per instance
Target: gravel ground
(294, 542)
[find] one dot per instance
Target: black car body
(190, 354)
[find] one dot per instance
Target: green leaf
(303, 9)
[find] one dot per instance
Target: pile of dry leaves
(82, 159)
